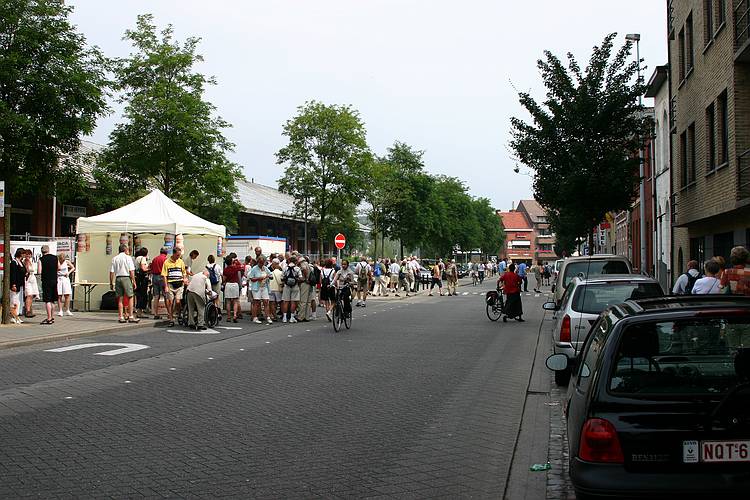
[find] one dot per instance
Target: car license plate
(715, 451)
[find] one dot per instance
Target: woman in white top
(709, 283)
(30, 288)
(64, 289)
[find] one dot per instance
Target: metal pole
(642, 191)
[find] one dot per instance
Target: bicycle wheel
(493, 312)
(347, 319)
(337, 312)
(211, 315)
(182, 317)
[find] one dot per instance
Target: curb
(68, 336)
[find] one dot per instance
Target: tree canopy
(170, 138)
(583, 138)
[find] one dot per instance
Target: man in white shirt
(197, 290)
(684, 284)
(364, 275)
(122, 281)
(395, 270)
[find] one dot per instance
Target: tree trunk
(401, 248)
(591, 241)
(6, 261)
(382, 243)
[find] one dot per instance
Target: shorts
(275, 296)
(394, 279)
(362, 284)
(157, 288)
(232, 291)
(261, 294)
(63, 286)
(49, 291)
(216, 287)
(174, 293)
(123, 286)
(327, 293)
(290, 294)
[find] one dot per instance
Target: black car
(659, 401)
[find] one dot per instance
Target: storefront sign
(73, 211)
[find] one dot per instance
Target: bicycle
(339, 316)
(474, 278)
(495, 304)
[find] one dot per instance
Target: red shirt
(231, 273)
(737, 279)
(512, 283)
(158, 263)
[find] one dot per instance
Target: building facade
(528, 237)
(544, 240)
(658, 90)
(709, 82)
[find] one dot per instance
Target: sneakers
(364, 304)
(60, 313)
(359, 303)
(256, 321)
(269, 321)
(283, 320)
(68, 313)
(328, 315)
(429, 295)
(292, 319)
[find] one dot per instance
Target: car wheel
(562, 377)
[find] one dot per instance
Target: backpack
(362, 271)
(691, 282)
(289, 278)
(212, 276)
(326, 282)
(378, 270)
(313, 276)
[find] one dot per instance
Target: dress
(63, 281)
(141, 282)
(31, 287)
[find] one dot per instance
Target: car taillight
(599, 442)
(565, 329)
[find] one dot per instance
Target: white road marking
(208, 331)
(307, 330)
(288, 335)
(465, 293)
(229, 327)
(268, 341)
(241, 349)
(537, 295)
(68, 397)
(172, 369)
(114, 352)
(210, 358)
(127, 382)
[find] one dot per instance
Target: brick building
(528, 237)
(709, 73)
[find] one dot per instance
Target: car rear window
(594, 268)
(704, 356)
(594, 298)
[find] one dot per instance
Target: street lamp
(636, 37)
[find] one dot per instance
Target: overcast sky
(436, 74)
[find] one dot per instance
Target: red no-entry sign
(340, 241)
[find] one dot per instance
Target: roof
(686, 303)
(534, 209)
(264, 200)
(514, 220)
(610, 278)
(658, 79)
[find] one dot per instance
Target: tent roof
(154, 213)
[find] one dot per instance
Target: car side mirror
(557, 362)
(550, 306)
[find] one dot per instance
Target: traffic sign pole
(340, 242)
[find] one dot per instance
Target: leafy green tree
(170, 138)
(583, 136)
(451, 218)
(52, 89)
(492, 236)
(327, 160)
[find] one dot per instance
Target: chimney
(513, 206)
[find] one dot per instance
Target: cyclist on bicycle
(342, 281)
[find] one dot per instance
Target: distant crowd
(714, 277)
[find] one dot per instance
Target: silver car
(583, 301)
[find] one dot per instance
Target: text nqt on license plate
(715, 451)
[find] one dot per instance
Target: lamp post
(635, 37)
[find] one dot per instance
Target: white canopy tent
(154, 213)
(149, 222)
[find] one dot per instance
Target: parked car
(587, 266)
(425, 275)
(556, 269)
(463, 270)
(659, 402)
(583, 301)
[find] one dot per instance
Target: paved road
(422, 398)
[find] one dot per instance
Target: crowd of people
(715, 277)
(286, 287)
(25, 276)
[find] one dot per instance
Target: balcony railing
(742, 31)
(743, 175)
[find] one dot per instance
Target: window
(695, 356)
(723, 128)
(691, 153)
(544, 247)
(710, 138)
(681, 48)
(592, 351)
(683, 160)
(721, 14)
(592, 268)
(689, 46)
(595, 298)
(708, 21)
(698, 249)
